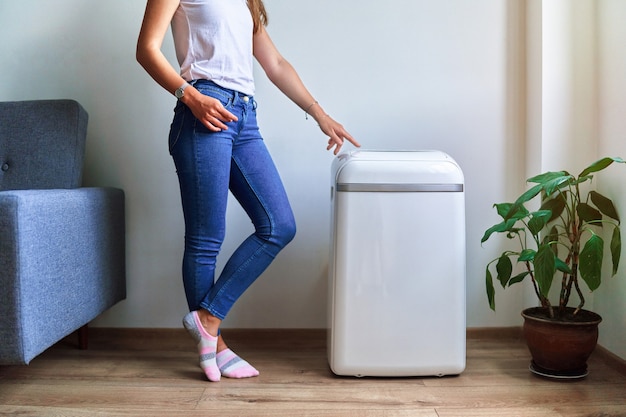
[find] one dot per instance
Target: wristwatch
(180, 91)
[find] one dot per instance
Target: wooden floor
(154, 373)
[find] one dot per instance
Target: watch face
(180, 91)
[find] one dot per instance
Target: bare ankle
(221, 345)
(210, 323)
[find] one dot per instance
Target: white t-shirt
(213, 41)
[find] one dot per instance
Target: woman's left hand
(336, 133)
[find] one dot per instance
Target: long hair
(259, 16)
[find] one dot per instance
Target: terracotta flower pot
(560, 348)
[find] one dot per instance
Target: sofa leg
(83, 337)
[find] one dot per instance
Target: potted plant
(560, 240)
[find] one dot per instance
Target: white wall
(402, 74)
(610, 301)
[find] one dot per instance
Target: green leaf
(604, 204)
(562, 266)
(504, 210)
(551, 239)
(518, 278)
(547, 177)
(589, 214)
(599, 165)
(527, 196)
(556, 206)
(538, 221)
(616, 248)
(491, 291)
(544, 269)
(536, 224)
(505, 226)
(557, 183)
(580, 180)
(590, 262)
(527, 255)
(504, 267)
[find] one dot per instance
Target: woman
(216, 146)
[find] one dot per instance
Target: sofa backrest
(42, 144)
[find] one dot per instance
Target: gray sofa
(62, 248)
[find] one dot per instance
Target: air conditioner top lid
(430, 168)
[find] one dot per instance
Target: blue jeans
(209, 164)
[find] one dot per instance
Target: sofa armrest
(62, 262)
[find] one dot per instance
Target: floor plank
(129, 373)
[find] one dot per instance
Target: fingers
(225, 115)
(217, 118)
(337, 136)
(352, 140)
(336, 142)
(214, 115)
(215, 123)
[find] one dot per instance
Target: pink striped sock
(207, 346)
(232, 366)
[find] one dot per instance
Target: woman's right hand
(208, 110)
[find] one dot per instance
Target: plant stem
(582, 298)
(576, 235)
(565, 288)
(544, 301)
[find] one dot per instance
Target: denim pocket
(214, 92)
